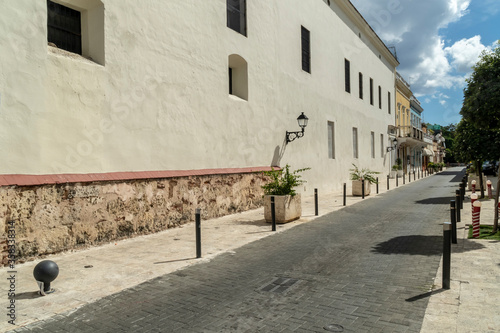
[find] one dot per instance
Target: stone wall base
(59, 217)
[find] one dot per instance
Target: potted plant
(399, 165)
(282, 186)
(357, 176)
(394, 170)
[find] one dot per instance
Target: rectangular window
(306, 50)
(360, 85)
(382, 145)
(64, 27)
(237, 15)
(389, 102)
(331, 140)
(355, 142)
(371, 91)
(347, 66)
(372, 141)
(379, 97)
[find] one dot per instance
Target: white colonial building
(127, 88)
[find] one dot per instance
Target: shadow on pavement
(435, 201)
(28, 295)
(424, 295)
(456, 179)
(421, 245)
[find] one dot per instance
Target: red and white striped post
(473, 186)
(473, 198)
(490, 194)
(476, 212)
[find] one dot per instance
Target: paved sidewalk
(471, 303)
(124, 264)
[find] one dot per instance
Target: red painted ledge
(32, 180)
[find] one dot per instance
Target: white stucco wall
(161, 102)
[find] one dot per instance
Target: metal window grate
(279, 285)
(64, 27)
(360, 85)
(236, 16)
(371, 91)
(347, 71)
(306, 50)
(379, 97)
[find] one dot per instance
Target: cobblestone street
(365, 268)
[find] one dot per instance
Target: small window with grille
(64, 27)
(237, 16)
(306, 50)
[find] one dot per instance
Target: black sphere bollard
(44, 273)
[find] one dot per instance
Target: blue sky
(437, 43)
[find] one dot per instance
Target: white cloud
(414, 29)
(465, 53)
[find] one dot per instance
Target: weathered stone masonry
(57, 217)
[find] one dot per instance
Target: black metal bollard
(409, 177)
(387, 182)
(462, 189)
(362, 188)
(345, 190)
(457, 199)
(414, 176)
(198, 232)
(377, 185)
(446, 254)
(397, 177)
(453, 215)
(462, 195)
(273, 214)
(316, 202)
(404, 178)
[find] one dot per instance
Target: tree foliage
(482, 95)
(481, 113)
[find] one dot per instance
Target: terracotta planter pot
(287, 208)
(357, 188)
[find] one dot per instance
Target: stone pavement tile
(224, 238)
(469, 306)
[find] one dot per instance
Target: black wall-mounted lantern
(302, 120)
(394, 145)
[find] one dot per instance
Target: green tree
(481, 107)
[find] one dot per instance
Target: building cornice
(363, 25)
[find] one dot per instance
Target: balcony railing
(428, 138)
(411, 132)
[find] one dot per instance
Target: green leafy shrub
(283, 182)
